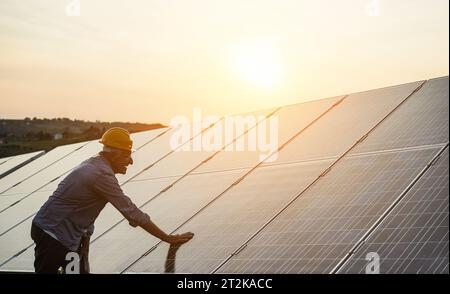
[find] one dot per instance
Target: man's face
(121, 161)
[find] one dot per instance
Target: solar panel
(234, 217)
(22, 264)
(5, 159)
(17, 161)
(15, 240)
(312, 234)
(309, 111)
(59, 153)
(346, 124)
(320, 227)
(109, 215)
(67, 163)
(312, 110)
(293, 120)
(22, 210)
(142, 138)
(168, 211)
(320, 256)
(180, 162)
(36, 165)
(175, 202)
(56, 170)
(421, 120)
(8, 200)
(158, 149)
(413, 238)
(306, 140)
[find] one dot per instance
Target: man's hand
(171, 239)
(179, 239)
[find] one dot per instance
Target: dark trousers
(49, 253)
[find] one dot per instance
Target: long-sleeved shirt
(70, 212)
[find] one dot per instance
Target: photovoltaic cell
(22, 264)
(8, 200)
(159, 148)
(413, 238)
(233, 218)
(15, 240)
(323, 224)
(5, 159)
(141, 138)
(346, 124)
(36, 165)
(22, 210)
(421, 120)
(17, 161)
(291, 120)
(180, 162)
(56, 170)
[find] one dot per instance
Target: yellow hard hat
(117, 138)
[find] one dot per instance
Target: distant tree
(43, 135)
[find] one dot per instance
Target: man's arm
(160, 234)
(108, 187)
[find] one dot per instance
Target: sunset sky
(150, 60)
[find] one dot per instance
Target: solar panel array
(10, 164)
(355, 174)
(413, 238)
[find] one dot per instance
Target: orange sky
(149, 61)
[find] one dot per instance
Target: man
(66, 220)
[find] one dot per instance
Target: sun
(258, 62)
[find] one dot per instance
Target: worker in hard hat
(66, 220)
